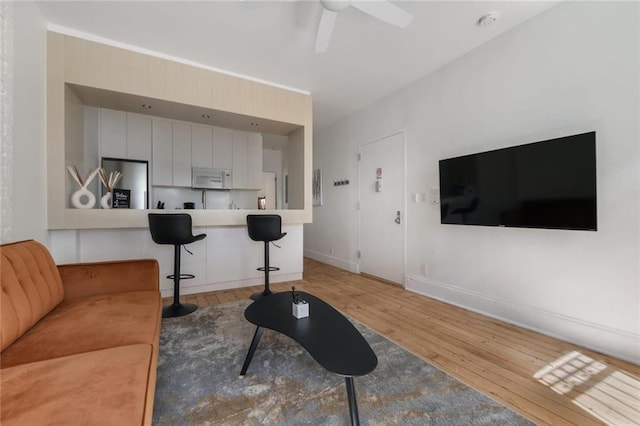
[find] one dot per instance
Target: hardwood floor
(496, 358)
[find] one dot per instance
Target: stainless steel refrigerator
(135, 177)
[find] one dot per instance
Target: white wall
(295, 168)
(272, 162)
(29, 151)
(572, 69)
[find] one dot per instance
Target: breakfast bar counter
(131, 218)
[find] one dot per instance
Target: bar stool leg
(176, 275)
(177, 309)
(267, 291)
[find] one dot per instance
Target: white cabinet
(181, 154)
(240, 159)
(178, 146)
(201, 146)
(162, 152)
(175, 147)
(138, 137)
(254, 161)
(124, 135)
(222, 148)
(113, 133)
(247, 160)
(171, 153)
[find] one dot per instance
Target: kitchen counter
(128, 218)
(226, 258)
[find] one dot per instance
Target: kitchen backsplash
(174, 198)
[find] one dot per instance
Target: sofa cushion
(105, 387)
(31, 287)
(87, 324)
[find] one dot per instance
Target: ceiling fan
(381, 9)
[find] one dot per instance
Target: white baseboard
(330, 260)
(203, 288)
(611, 341)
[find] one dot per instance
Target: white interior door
(269, 189)
(382, 204)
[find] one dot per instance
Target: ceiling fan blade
(384, 11)
(325, 29)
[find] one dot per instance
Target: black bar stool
(174, 229)
(266, 228)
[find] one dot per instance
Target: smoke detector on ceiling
(488, 19)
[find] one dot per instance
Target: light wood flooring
(496, 358)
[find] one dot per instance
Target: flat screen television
(549, 184)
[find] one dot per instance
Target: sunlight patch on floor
(611, 396)
(569, 371)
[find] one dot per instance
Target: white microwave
(204, 178)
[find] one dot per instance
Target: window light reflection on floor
(611, 396)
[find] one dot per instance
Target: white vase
(77, 199)
(105, 201)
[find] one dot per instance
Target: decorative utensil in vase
(109, 183)
(82, 198)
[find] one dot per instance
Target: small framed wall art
(317, 187)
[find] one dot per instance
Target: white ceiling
(274, 41)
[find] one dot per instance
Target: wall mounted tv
(549, 184)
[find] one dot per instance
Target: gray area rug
(198, 381)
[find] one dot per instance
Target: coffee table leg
(252, 349)
(353, 404)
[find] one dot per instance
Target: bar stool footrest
(182, 276)
(271, 268)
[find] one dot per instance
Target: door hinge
(359, 157)
(359, 254)
(358, 205)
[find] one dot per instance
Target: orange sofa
(79, 342)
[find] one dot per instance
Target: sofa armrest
(90, 279)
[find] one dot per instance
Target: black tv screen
(549, 184)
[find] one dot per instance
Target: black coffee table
(326, 334)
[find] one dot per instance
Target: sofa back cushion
(31, 287)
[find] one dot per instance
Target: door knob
(398, 220)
